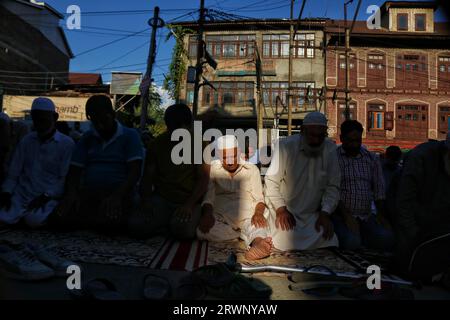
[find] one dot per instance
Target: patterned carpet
(84, 246)
(161, 253)
(219, 252)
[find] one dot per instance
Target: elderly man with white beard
(234, 205)
(302, 188)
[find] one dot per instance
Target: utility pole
(155, 23)
(199, 67)
(291, 44)
(348, 31)
(292, 35)
(347, 67)
(260, 108)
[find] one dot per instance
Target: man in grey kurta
(302, 188)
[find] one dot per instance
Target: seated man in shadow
(422, 219)
(35, 180)
(362, 183)
(171, 191)
(11, 133)
(234, 206)
(105, 169)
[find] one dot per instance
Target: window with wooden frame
(227, 46)
(421, 22)
(189, 94)
(444, 72)
(229, 93)
(376, 70)
(272, 90)
(412, 71)
(402, 22)
(444, 121)
(376, 117)
(277, 45)
(342, 70)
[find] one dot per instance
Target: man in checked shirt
(356, 224)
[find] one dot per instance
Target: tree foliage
(178, 65)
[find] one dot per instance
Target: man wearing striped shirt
(362, 185)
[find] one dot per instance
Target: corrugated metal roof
(85, 78)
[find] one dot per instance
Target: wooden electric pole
(155, 23)
(347, 67)
(291, 44)
(292, 35)
(260, 105)
(348, 31)
(199, 67)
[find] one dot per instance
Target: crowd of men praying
(315, 193)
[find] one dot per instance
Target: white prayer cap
(4, 117)
(227, 142)
(315, 119)
(43, 104)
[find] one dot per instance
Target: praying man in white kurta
(233, 206)
(302, 188)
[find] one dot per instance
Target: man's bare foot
(259, 249)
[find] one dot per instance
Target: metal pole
(291, 44)
(148, 75)
(347, 66)
(260, 107)
(199, 68)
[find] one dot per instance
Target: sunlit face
(230, 159)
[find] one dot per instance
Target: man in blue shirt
(36, 175)
(105, 169)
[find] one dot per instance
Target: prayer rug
(184, 255)
(89, 247)
(219, 252)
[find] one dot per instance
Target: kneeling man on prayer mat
(233, 206)
(36, 175)
(302, 188)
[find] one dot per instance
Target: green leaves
(178, 65)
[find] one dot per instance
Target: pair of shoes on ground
(28, 261)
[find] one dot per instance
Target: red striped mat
(181, 255)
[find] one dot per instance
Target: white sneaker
(18, 262)
(59, 265)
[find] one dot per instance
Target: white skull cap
(227, 142)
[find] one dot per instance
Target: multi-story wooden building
(233, 44)
(399, 72)
(399, 75)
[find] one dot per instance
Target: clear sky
(101, 25)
